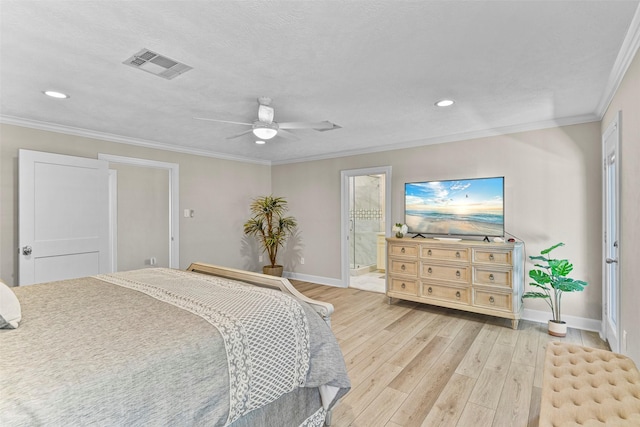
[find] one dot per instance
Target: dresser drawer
(397, 249)
(494, 300)
(486, 276)
(409, 287)
(452, 273)
(459, 295)
(399, 266)
(492, 256)
(444, 254)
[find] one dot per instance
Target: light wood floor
(418, 365)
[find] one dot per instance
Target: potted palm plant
(550, 278)
(270, 227)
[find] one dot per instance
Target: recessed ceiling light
(54, 94)
(259, 142)
(444, 103)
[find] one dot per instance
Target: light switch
(189, 213)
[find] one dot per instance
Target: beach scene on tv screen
(464, 207)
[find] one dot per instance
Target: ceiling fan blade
(223, 121)
(326, 125)
(240, 134)
(288, 135)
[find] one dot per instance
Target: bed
(208, 346)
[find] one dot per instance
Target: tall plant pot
(276, 270)
(557, 329)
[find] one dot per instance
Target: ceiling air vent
(157, 64)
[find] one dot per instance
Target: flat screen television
(463, 207)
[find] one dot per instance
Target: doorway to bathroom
(365, 212)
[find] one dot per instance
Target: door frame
(174, 200)
(613, 129)
(344, 210)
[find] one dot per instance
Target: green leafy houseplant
(269, 225)
(550, 278)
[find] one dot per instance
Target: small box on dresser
(475, 276)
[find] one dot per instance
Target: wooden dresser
(480, 277)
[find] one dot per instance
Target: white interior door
(63, 217)
(611, 182)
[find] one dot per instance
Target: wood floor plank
(381, 409)
(592, 339)
(515, 400)
(411, 349)
(361, 396)
(451, 402)
(476, 416)
(490, 383)
(488, 387)
(526, 347)
(508, 336)
(474, 360)
(409, 377)
(534, 407)
(413, 411)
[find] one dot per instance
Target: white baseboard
(314, 279)
(572, 321)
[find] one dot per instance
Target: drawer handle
(402, 267)
(491, 277)
(458, 273)
(429, 291)
(491, 300)
(458, 294)
(457, 254)
(402, 250)
(429, 270)
(404, 286)
(429, 252)
(491, 257)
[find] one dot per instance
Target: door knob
(26, 250)
(611, 261)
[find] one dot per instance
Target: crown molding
(627, 52)
(523, 127)
(68, 130)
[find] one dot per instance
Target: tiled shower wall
(366, 215)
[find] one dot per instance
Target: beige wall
(143, 216)
(627, 101)
(552, 194)
(219, 191)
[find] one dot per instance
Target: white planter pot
(557, 329)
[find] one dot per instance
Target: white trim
(113, 219)
(314, 279)
(627, 52)
(344, 211)
(69, 130)
(576, 322)
(613, 128)
(174, 198)
(507, 130)
(522, 127)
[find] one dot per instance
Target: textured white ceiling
(373, 67)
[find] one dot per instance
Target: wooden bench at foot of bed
(588, 387)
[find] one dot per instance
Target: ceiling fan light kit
(265, 130)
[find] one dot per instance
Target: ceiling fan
(265, 128)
